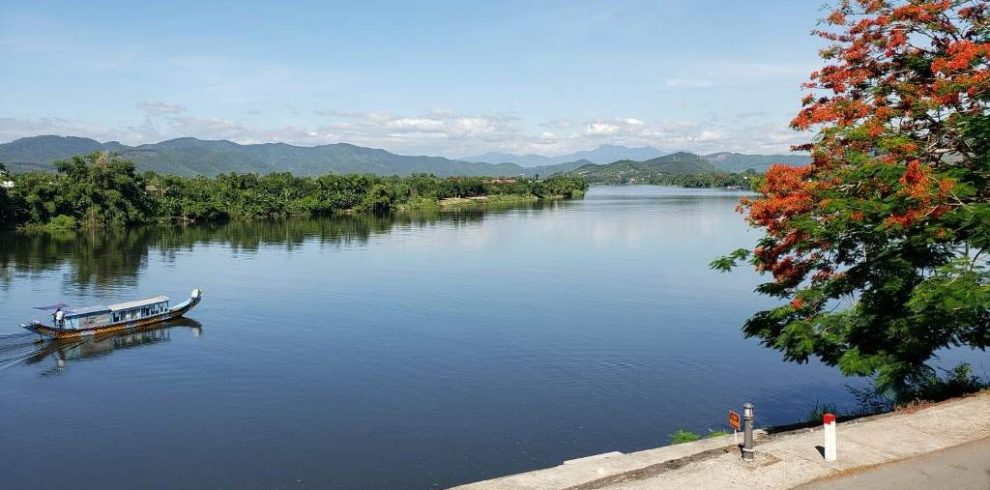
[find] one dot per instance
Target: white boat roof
(138, 303)
(87, 310)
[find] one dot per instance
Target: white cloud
(601, 128)
(477, 126)
(160, 108)
(708, 135)
(415, 124)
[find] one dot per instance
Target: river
(414, 351)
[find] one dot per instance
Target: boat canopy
(138, 303)
(52, 307)
(87, 311)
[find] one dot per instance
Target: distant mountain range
(602, 154)
(191, 156)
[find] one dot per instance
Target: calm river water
(411, 352)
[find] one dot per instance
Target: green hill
(44, 149)
(191, 156)
(628, 171)
(680, 163)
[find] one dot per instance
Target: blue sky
(449, 78)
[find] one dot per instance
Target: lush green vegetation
(98, 190)
(95, 190)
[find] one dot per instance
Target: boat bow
(194, 298)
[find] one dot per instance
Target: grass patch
(420, 202)
(486, 201)
(681, 436)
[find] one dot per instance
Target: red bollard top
(828, 418)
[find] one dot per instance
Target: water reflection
(104, 258)
(61, 354)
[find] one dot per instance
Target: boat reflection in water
(63, 352)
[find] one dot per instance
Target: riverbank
(94, 192)
(783, 460)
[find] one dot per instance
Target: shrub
(926, 387)
(62, 222)
(931, 387)
(817, 413)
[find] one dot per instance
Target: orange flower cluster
(921, 12)
(961, 55)
(876, 47)
(926, 195)
(872, 100)
(788, 192)
(963, 70)
(787, 195)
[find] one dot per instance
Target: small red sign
(734, 420)
(828, 418)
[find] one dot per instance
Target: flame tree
(878, 249)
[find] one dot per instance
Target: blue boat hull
(128, 326)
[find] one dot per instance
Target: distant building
(4, 183)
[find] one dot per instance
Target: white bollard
(831, 452)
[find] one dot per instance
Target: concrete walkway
(965, 467)
(782, 461)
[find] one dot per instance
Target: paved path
(965, 467)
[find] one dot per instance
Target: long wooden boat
(130, 316)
